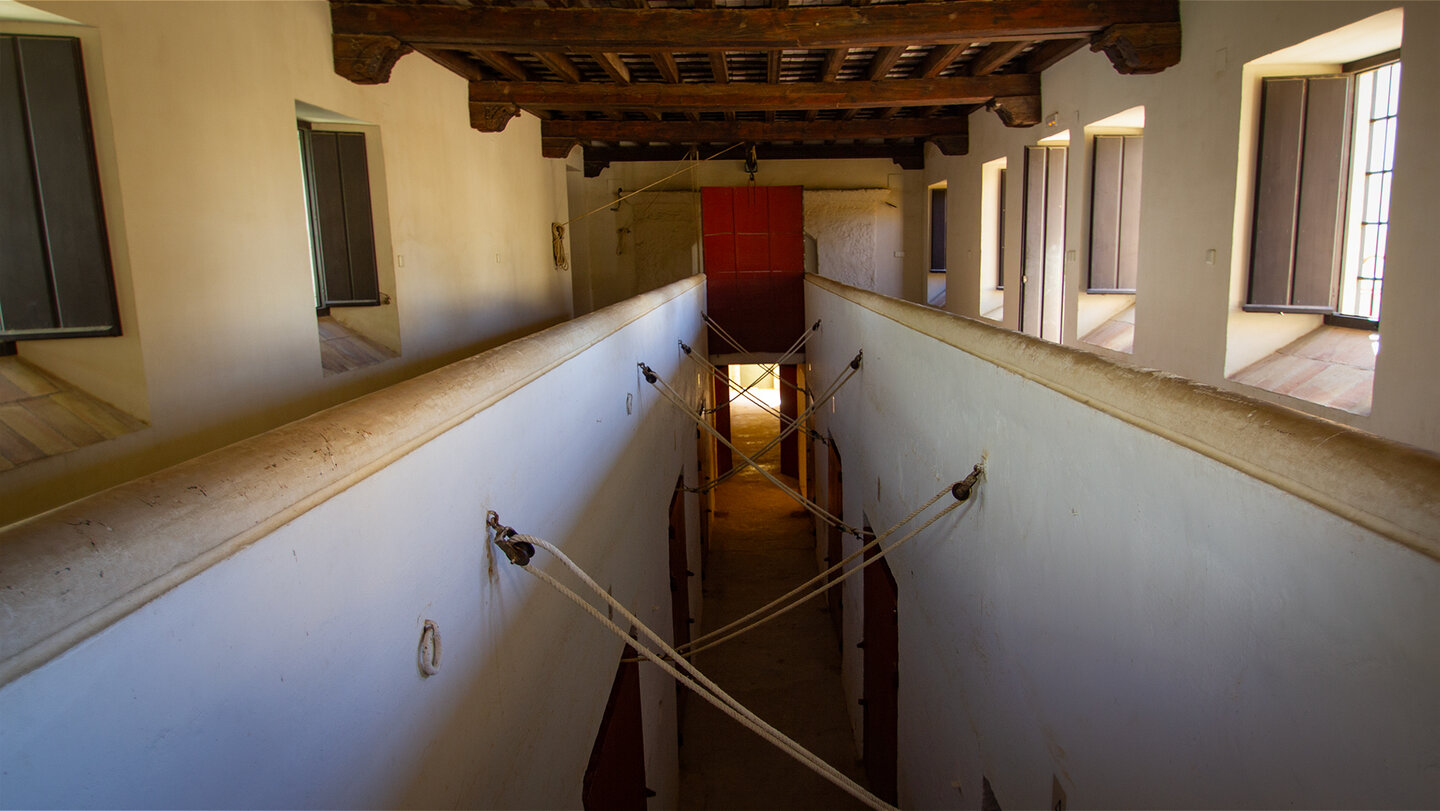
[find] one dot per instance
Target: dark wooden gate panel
(615, 778)
(834, 550)
(789, 410)
(724, 459)
(882, 678)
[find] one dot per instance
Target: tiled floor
(1118, 333)
(1332, 366)
(343, 349)
(41, 416)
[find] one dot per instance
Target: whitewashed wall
(283, 674)
(1197, 167)
(1145, 624)
(194, 114)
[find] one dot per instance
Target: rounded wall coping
(1387, 487)
(72, 572)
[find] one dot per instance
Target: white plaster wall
(196, 123)
(1144, 624)
(1187, 309)
(285, 676)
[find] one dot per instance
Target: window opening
(1377, 105)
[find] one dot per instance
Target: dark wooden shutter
(343, 227)
(881, 664)
(1299, 193)
(1115, 214)
(1043, 246)
(55, 274)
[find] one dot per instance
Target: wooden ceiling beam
(457, 63)
(756, 96)
(496, 28)
(561, 64)
(503, 64)
(673, 132)
(909, 156)
(995, 56)
(883, 60)
(1048, 53)
(669, 69)
(612, 64)
(939, 58)
(719, 68)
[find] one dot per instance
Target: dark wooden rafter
(613, 65)
(560, 65)
(657, 29)
(908, 156)
(730, 132)
(751, 96)
(813, 79)
(939, 58)
(995, 56)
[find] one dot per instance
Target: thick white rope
(817, 592)
(691, 646)
(793, 426)
(679, 402)
(766, 369)
(695, 680)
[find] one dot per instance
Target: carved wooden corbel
(366, 59)
(952, 144)
(557, 147)
(1140, 47)
(1016, 111)
(489, 117)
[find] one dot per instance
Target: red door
(754, 264)
(615, 778)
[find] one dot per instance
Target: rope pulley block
(519, 552)
(962, 489)
(685, 347)
(855, 364)
(650, 376)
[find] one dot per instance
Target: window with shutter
(342, 231)
(55, 272)
(1322, 189)
(1115, 213)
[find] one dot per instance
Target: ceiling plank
(613, 65)
(675, 132)
(755, 96)
(618, 29)
(995, 56)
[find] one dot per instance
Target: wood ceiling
(636, 80)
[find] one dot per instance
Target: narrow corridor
(787, 671)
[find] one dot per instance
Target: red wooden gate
(754, 263)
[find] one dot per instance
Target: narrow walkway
(787, 671)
